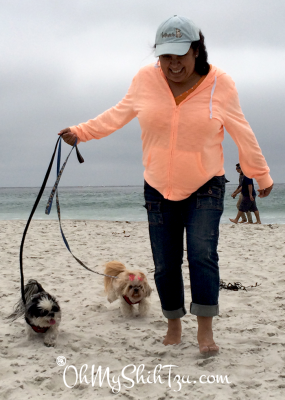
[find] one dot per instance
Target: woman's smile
(176, 71)
(178, 68)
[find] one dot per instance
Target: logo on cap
(177, 34)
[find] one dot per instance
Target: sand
(249, 329)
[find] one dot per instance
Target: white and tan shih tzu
(42, 313)
(130, 287)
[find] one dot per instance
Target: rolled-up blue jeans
(199, 216)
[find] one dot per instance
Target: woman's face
(178, 69)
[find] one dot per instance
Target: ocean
(118, 204)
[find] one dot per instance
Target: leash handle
(59, 174)
(79, 156)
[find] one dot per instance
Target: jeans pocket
(210, 198)
(154, 212)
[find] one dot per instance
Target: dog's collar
(36, 328)
(129, 301)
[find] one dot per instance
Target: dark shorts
(247, 205)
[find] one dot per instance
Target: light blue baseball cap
(175, 35)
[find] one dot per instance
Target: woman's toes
(204, 349)
(214, 348)
(208, 349)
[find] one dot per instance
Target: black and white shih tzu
(42, 313)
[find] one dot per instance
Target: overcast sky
(65, 61)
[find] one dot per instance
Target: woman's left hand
(265, 192)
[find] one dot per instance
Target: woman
(183, 105)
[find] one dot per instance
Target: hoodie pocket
(156, 164)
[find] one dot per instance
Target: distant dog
(42, 313)
(130, 287)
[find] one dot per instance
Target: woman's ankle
(174, 331)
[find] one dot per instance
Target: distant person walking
(248, 200)
(238, 191)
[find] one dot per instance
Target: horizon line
(95, 186)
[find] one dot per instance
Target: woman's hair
(202, 66)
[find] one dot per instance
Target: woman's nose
(174, 63)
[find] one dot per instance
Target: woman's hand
(68, 136)
(265, 192)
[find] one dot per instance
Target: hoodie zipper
(173, 124)
(173, 137)
(174, 131)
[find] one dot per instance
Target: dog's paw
(127, 312)
(50, 340)
(143, 313)
(144, 308)
(49, 344)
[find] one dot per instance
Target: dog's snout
(136, 290)
(51, 315)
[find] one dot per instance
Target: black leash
(49, 206)
(81, 160)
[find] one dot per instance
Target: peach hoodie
(182, 144)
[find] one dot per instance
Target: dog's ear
(36, 297)
(32, 308)
(121, 284)
(147, 288)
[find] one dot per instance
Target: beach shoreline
(249, 330)
(117, 203)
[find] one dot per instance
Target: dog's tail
(31, 288)
(113, 268)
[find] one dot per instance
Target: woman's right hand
(68, 136)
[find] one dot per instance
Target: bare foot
(233, 220)
(207, 346)
(173, 335)
(249, 223)
(242, 221)
(209, 350)
(257, 222)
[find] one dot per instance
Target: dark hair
(238, 165)
(202, 66)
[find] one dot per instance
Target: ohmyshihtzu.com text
(131, 375)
